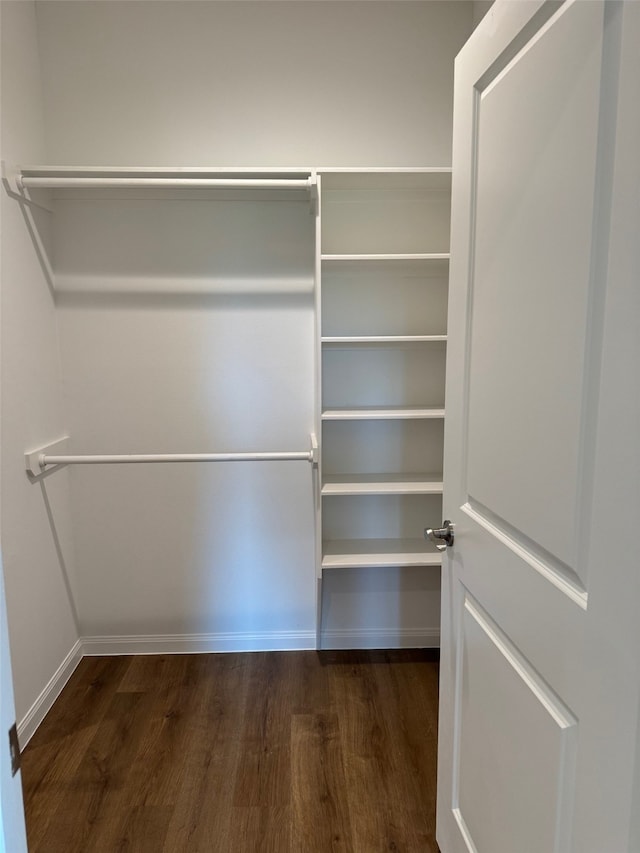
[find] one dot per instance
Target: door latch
(441, 534)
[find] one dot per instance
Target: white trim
(464, 830)
(168, 644)
(381, 638)
(41, 707)
(164, 172)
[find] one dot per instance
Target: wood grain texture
(274, 752)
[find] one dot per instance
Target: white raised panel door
(540, 676)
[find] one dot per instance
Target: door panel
(503, 707)
(536, 133)
(540, 658)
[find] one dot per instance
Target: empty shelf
(382, 413)
(354, 553)
(392, 256)
(381, 339)
(382, 484)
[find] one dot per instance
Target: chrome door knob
(440, 534)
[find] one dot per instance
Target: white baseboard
(418, 638)
(40, 708)
(172, 644)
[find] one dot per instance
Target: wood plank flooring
(276, 752)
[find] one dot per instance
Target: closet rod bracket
(13, 176)
(35, 459)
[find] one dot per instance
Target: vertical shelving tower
(383, 286)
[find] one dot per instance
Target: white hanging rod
(57, 182)
(106, 459)
(37, 461)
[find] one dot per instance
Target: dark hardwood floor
(304, 752)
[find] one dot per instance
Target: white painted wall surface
(38, 561)
(251, 83)
(187, 326)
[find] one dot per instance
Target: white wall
(187, 326)
(181, 83)
(38, 558)
(250, 83)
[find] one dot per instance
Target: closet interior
(143, 262)
(380, 255)
(251, 353)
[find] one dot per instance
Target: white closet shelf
(373, 553)
(393, 257)
(382, 484)
(382, 413)
(381, 339)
